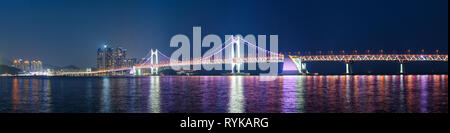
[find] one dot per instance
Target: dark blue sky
(68, 32)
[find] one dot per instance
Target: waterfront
(226, 94)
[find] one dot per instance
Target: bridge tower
(154, 61)
(235, 55)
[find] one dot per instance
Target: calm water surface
(221, 94)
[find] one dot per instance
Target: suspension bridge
(156, 61)
(233, 51)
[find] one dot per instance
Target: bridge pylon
(153, 62)
(236, 55)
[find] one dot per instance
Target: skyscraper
(39, 66)
(120, 57)
(26, 66)
(36, 66)
(109, 58)
(100, 59)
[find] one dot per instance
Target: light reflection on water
(227, 94)
(236, 102)
(106, 100)
(154, 95)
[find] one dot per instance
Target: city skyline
(141, 25)
(224, 65)
(28, 65)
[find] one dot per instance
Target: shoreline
(237, 75)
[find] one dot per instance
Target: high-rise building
(110, 58)
(100, 59)
(36, 66)
(120, 57)
(33, 65)
(28, 66)
(40, 67)
(19, 64)
(131, 62)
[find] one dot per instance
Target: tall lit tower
(120, 57)
(101, 58)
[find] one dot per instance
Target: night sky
(68, 32)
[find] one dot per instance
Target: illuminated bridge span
(234, 56)
(300, 61)
(155, 61)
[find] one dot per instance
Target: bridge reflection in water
(217, 94)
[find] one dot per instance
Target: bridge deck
(383, 57)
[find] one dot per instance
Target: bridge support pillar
(138, 72)
(301, 66)
(303, 69)
(402, 70)
(348, 68)
(154, 71)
